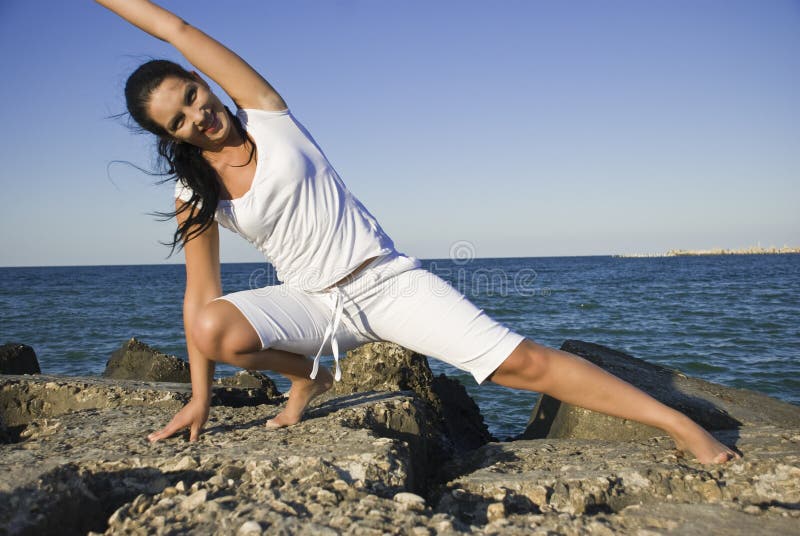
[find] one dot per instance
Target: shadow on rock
(73, 500)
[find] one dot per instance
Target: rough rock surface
(137, 361)
(24, 399)
(75, 459)
(385, 366)
(253, 387)
(713, 406)
(574, 486)
(248, 379)
(339, 469)
(16, 358)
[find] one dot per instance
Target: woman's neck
(233, 150)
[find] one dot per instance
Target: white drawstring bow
(330, 331)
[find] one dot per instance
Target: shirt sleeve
(182, 192)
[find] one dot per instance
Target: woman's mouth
(214, 126)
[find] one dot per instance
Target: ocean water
(732, 319)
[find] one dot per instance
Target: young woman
(260, 174)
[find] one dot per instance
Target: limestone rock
(249, 379)
(713, 406)
(24, 399)
(76, 460)
(385, 366)
(93, 470)
(18, 358)
(564, 485)
(137, 361)
(248, 386)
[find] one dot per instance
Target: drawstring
(330, 331)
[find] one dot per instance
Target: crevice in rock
(74, 500)
(10, 434)
(419, 428)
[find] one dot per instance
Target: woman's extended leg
(224, 332)
(420, 311)
(574, 380)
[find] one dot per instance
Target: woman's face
(190, 112)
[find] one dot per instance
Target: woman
(261, 174)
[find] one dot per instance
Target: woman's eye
(192, 95)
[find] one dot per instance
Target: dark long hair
(178, 160)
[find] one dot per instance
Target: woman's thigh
(420, 311)
(290, 319)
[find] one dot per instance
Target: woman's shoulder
(248, 115)
(182, 191)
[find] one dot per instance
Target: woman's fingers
(177, 423)
(186, 417)
(165, 432)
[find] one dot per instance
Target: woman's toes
(271, 424)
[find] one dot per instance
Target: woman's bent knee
(220, 331)
(525, 368)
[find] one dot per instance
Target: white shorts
(392, 299)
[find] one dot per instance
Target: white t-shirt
(298, 212)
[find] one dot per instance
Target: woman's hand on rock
(193, 416)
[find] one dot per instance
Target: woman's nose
(197, 116)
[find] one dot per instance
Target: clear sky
(526, 128)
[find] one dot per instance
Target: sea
(730, 319)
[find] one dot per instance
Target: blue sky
(526, 128)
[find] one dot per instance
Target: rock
(411, 501)
(638, 485)
(385, 366)
(24, 399)
(495, 511)
(713, 406)
(137, 361)
(83, 466)
(248, 379)
(18, 358)
(184, 464)
(249, 528)
(359, 464)
(246, 388)
(195, 500)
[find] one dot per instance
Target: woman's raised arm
(242, 83)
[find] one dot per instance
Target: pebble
(315, 509)
(410, 501)
(327, 497)
(282, 507)
(185, 463)
(249, 528)
(495, 511)
(195, 500)
(444, 526)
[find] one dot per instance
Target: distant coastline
(755, 250)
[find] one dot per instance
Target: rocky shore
(391, 450)
(753, 250)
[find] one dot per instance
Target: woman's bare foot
(301, 393)
(691, 437)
